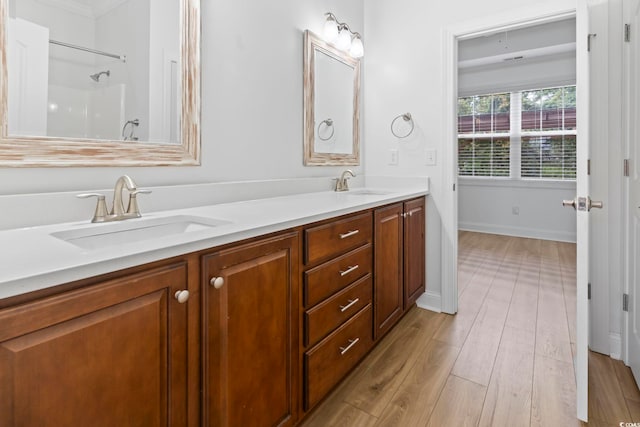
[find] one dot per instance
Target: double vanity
(235, 314)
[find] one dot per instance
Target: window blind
(548, 157)
(548, 118)
(484, 156)
(484, 124)
(534, 129)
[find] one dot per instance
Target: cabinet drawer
(330, 277)
(328, 315)
(328, 362)
(328, 240)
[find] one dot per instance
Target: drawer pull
(344, 308)
(349, 234)
(349, 269)
(343, 350)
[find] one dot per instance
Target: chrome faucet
(342, 183)
(117, 212)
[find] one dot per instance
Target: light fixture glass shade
(330, 30)
(344, 40)
(357, 49)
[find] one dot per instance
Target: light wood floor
(504, 360)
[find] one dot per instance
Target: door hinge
(626, 167)
(589, 37)
(589, 167)
(589, 291)
(625, 302)
(627, 32)
(454, 187)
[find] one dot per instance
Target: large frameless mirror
(99, 83)
(331, 105)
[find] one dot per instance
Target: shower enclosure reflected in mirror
(99, 83)
(331, 104)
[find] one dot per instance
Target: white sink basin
(96, 236)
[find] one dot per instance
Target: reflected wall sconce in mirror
(339, 34)
(328, 128)
(395, 127)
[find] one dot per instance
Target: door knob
(592, 204)
(582, 204)
(217, 282)
(182, 296)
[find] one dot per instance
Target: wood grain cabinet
(388, 285)
(110, 354)
(336, 308)
(250, 312)
(254, 333)
(414, 250)
(399, 259)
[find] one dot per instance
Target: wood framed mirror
(169, 113)
(331, 104)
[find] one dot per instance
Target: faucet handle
(101, 207)
(133, 208)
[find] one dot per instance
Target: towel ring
(329, 124)
(407, 118)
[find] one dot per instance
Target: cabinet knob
(182, 296)
(217, 282)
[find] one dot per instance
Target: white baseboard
(508, 230)
(430, 301)
(615, 345)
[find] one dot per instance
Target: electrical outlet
(430, 157)
(515, 210)
(393, 157)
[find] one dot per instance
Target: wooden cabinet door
(388, 249)
(112, 354)
(414, 250)
(251, 334)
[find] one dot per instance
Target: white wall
(488, 206)
(126, 30)
(252, 110)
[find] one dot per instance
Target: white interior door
(633, 123)
(583, 205)
(28, 68)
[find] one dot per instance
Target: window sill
(515, 183)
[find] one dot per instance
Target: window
(483, 127)
(524, 135)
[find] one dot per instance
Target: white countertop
(32, 259)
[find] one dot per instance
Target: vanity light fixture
(339, 34)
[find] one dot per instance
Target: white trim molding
(431, 301)
(515, 231)
(615, 345)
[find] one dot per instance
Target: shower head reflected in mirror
(96, 77)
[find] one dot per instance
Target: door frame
(513, 19)
(627, 142)
(534, 15)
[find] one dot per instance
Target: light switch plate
(393, 157)
(430, 157)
